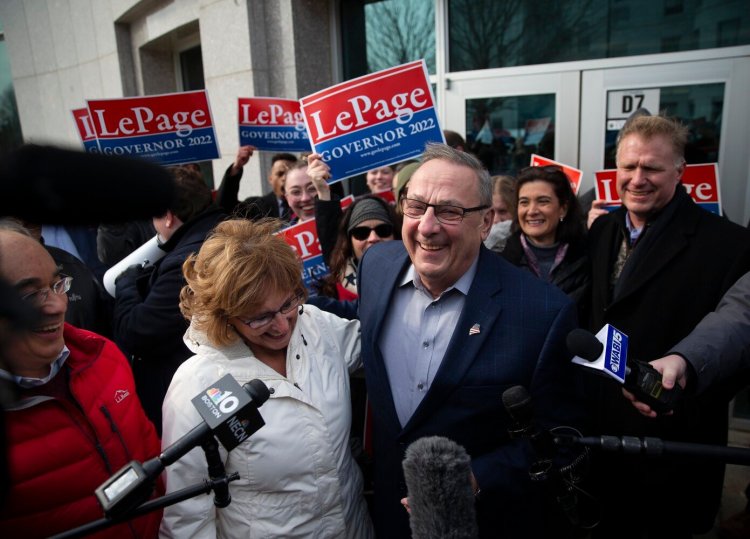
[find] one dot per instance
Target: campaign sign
(169, 128)
(85, 130)
(272, 124)
(303, 237)
(700, 181)
(606, 188)
(374, 120)
(573, 174)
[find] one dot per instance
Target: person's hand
(319, 172)
(243, 156)
(673, 369)
(596, 211)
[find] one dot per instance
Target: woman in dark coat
(549, 237)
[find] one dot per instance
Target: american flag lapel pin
(474, 329)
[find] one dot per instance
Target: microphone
(229, 412)
(607, 352)
(437, 473)
(517, 403)
(44, 184)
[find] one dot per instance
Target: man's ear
(486, 226)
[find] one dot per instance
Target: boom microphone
(229, 411)
(607, 353)
(438, 479)
(44, 184)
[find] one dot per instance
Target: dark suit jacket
(523, 325)
(676, 274)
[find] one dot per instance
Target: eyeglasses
(265, 319)
(361, 233)
(445, 213)
(39, 297)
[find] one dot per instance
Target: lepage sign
(303, 237)
(272, 124)
(170, 128)
(373, 121)
(573, 174)
(85, 130)
(700, 181)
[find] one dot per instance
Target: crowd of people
(446, 287)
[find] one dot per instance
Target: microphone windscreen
(45, 184)
(437, 473)
(583, 344)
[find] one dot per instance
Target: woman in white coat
(244, 298)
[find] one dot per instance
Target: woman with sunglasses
(244, 299)
(344, 238)
(549, 237)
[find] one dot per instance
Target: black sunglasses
(361, 233)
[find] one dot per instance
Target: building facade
(515, 77)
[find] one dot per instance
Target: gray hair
(463, 159)
(11, 224)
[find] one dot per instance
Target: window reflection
(698, 106)
(503, 132)
(381, 34)
(488, 34)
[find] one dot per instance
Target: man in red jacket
(76, 419)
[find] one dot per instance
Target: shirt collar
(463, 284)
(26, 382)
(634, 232)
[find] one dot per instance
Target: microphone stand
(218, 482)
(656, 447)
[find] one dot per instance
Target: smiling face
(442, 253)
(360, 246)
(27, 266)
(539, 212)
(380, 179)
(648, 171)
(300, 193)
(275, 336)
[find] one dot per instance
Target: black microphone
(607, 351)
(441, 499)
(234, 416)
(45, 184)
(562, 484)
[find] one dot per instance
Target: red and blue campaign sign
(700, 181)
(169, 128)
(272, 124)
(303, 237)
(374, 120)
(573, 174)
(85, 130)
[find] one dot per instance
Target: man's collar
(463, 284)
(27, 382)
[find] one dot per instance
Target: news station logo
(616, 352)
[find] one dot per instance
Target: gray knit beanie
(368, 208)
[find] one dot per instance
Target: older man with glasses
(447, 326)
(76, 419)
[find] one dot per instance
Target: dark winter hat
(368, 208)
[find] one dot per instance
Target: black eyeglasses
(265, 319)
(39, 297)
(361, 233)
(445, 213)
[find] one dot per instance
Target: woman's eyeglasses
(266, 318)
(361, 233)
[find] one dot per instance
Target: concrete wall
(63, 52)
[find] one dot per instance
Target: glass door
(507, 118)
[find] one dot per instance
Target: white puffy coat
(297, 475)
